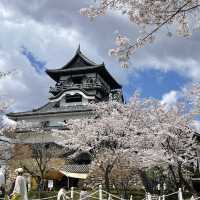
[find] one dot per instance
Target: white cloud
(196, 124)
(170, 98)
(52, 30)
(8, 123)
(50, 43)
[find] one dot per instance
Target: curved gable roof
(79, 60)
(81, 64)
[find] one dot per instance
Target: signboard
(50, 184)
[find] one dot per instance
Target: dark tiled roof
(79, 56)
(50, 109)
(76, 168)
(80, 63)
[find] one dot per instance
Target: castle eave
(15, 116)
(55, 74)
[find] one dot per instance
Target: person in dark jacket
(11, 188)
(2, 192)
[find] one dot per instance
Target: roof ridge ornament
(78, 49)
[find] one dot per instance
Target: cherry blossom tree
(39, 161)
(192, 93)
(103, 165)
(150, 16)
(124, 176)
(4, 101)
(144, 131)
(115, 130)
(177, 140)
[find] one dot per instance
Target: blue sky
(37, 64)
(47, 34)
(155, 83)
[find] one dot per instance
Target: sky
(44, 34)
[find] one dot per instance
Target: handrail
(83, 85)
(116, 197)
(192, 198)
(167, 195)
(110, 195)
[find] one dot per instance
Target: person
(2, 182)
(84, 195)
(20, 188)
(2, 177)
(12, 185)
(2, 192)
(62, 194)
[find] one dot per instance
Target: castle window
(73, 98)
(90, 80)
(77, 80)
(57, 104)
(44, 124)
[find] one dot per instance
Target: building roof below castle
(75, 171)
(50, 109)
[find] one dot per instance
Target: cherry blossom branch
(162, 24)
(146, 14)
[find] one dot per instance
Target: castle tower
(77, 83)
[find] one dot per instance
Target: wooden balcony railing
(86, 86)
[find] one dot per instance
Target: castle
(78, 83)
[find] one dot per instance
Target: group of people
(20, 187)
(19, 190)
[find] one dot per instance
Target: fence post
(100, 193)
(163, 197)
(72, 192)
(148, 196)
(131, 197)
(192, 198)
(180, 195)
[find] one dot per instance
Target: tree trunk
(125, 191)
(145, 180)
(174, 176)
(184, 182)
(107, 179)
(42, 181)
